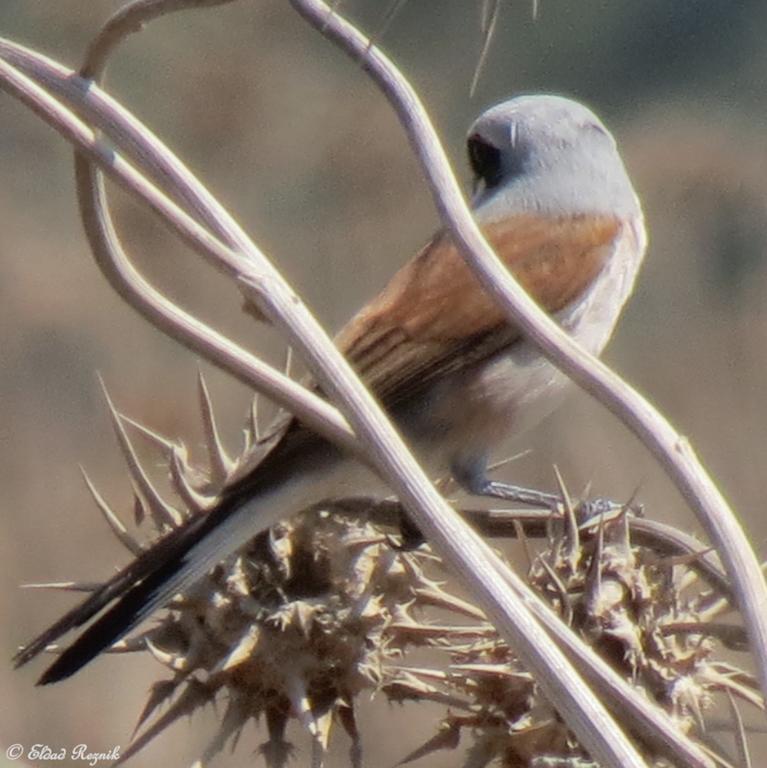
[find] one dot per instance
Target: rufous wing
(434, 317)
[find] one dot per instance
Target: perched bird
(555, 201)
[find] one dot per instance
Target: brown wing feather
(434, 317)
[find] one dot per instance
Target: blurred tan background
(296, 141)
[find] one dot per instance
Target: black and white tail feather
(185, 554)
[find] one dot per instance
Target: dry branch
(673, 450)
(187, 207)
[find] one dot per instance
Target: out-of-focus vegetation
(298, 143)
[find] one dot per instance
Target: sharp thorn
(509, 460)
(163, 514)
(66, 586)
(488, 31)
(193, 499)
(299, 699)
(173, 661)
(114, 522)
(139, 510)
(221, 465)
(572, 536)
(163, 443)
(160, 692)
(231, 726)
(194, 695)
(129, 645)
(254, 420)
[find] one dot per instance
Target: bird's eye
(485, 160)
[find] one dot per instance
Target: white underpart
(513, 392)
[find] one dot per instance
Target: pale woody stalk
(230, 249)
(672, 449)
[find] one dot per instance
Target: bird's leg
(471, 475)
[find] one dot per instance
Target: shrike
(555, 201)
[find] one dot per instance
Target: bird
(554, 199)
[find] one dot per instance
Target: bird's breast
(513, 390)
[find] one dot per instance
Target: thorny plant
(602, 596)
(324, 609)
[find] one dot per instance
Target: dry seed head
(321, 609)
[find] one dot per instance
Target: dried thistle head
(649, 616)
(321, 609)
(294, 626)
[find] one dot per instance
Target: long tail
(282, 485)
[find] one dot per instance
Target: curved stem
(672, 450)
